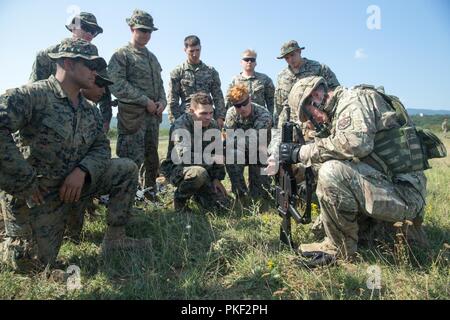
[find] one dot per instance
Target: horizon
(401, 45)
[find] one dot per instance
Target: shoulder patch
(344, 123)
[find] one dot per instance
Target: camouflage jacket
(43, 66)
(356, 116)
(59, 136)
(185, 81)
(287, 79)
(260, 118)
(260, 87)
(136, 74)
(185, 124)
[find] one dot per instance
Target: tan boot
(324, 246)
(116, 239)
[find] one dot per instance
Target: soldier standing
(353, 180)
(138, 86)
(251, 118)
(69, 161)
(191, 77)
(259, 85)
(298, 68)
(83, 26)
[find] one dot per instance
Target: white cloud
(360, 54)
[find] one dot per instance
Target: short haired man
(259, 85)
(191, 77)
(199, 180)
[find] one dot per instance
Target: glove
(289, 153)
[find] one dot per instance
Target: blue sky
(409, 54)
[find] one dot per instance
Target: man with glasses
(259, 85)
(69, 161)
(251, 118)
(84, 26)
(138, 86)
(298, 68)
(191, 77)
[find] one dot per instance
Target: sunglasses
(249, 59)
(91, 65)
(144, 30)
(242, 104)
(90, 29)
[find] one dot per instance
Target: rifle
(287, 193)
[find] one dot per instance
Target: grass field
(237, 255)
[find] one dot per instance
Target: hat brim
(140, 26)
(101, 63)
(102, 81)
(289, 51)
(99, 29)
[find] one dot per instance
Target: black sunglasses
(242, 104)
(249, 59)
(90, 29)
(91, 65)
(144, 30)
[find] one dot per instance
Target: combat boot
(180, 205)
(116, 239)
(325, 246)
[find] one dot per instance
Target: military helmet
(141, 20)
(78, 48)
(301, 90)
(84, 18)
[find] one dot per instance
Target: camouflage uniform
(192, 179)
(61, 138)
(350, 185)
(136, 74)
(287, 78)
(260, 88)
(43, 66)
(259, 184)
(187, 79)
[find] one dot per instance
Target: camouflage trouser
(194, 181)
(40, 230)
(347, 189)
(258, 181)
(142, 148)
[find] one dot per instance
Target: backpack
(407, 148)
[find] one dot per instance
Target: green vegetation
(237, 255)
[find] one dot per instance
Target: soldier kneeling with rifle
(371, 162)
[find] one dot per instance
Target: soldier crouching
(250, 118)
(69, 162)
(192, 178)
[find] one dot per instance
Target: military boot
(180, 205)
(116, 239)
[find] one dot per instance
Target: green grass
(237, 255)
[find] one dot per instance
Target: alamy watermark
(74, 12)
(74, 279)
(373, 22)
(242, 147)
(374, 279)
